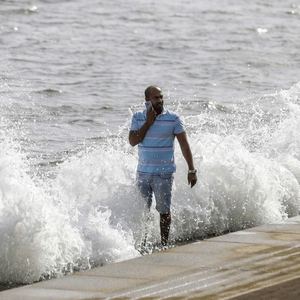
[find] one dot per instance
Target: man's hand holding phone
(151, 113)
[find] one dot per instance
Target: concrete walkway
(258, 263)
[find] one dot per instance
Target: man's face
(157, 99)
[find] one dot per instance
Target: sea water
(73, 74)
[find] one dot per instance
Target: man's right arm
(135, 137)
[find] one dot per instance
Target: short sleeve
(134, 123)
(179, 127)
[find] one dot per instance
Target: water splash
(89, 213)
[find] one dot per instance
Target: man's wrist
(192, 171)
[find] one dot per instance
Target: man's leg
(144, 185)
(165, 222)
(163, 192)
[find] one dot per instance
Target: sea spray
(102, 181)
(248, 167)
(86, 211)
(236, 190)
(53, 231)
(33, 231)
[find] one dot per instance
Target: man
(154, 131)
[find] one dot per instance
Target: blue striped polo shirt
(156, 151)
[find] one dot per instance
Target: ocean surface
(72, 75)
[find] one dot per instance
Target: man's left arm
(187, 154)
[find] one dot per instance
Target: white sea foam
(53, 226)
(89, 213)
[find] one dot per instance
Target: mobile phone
(148, 105)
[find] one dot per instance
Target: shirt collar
(164, 111)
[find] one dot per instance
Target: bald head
(150, 89)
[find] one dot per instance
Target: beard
(159, 108)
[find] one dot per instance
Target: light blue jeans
(160, 185)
